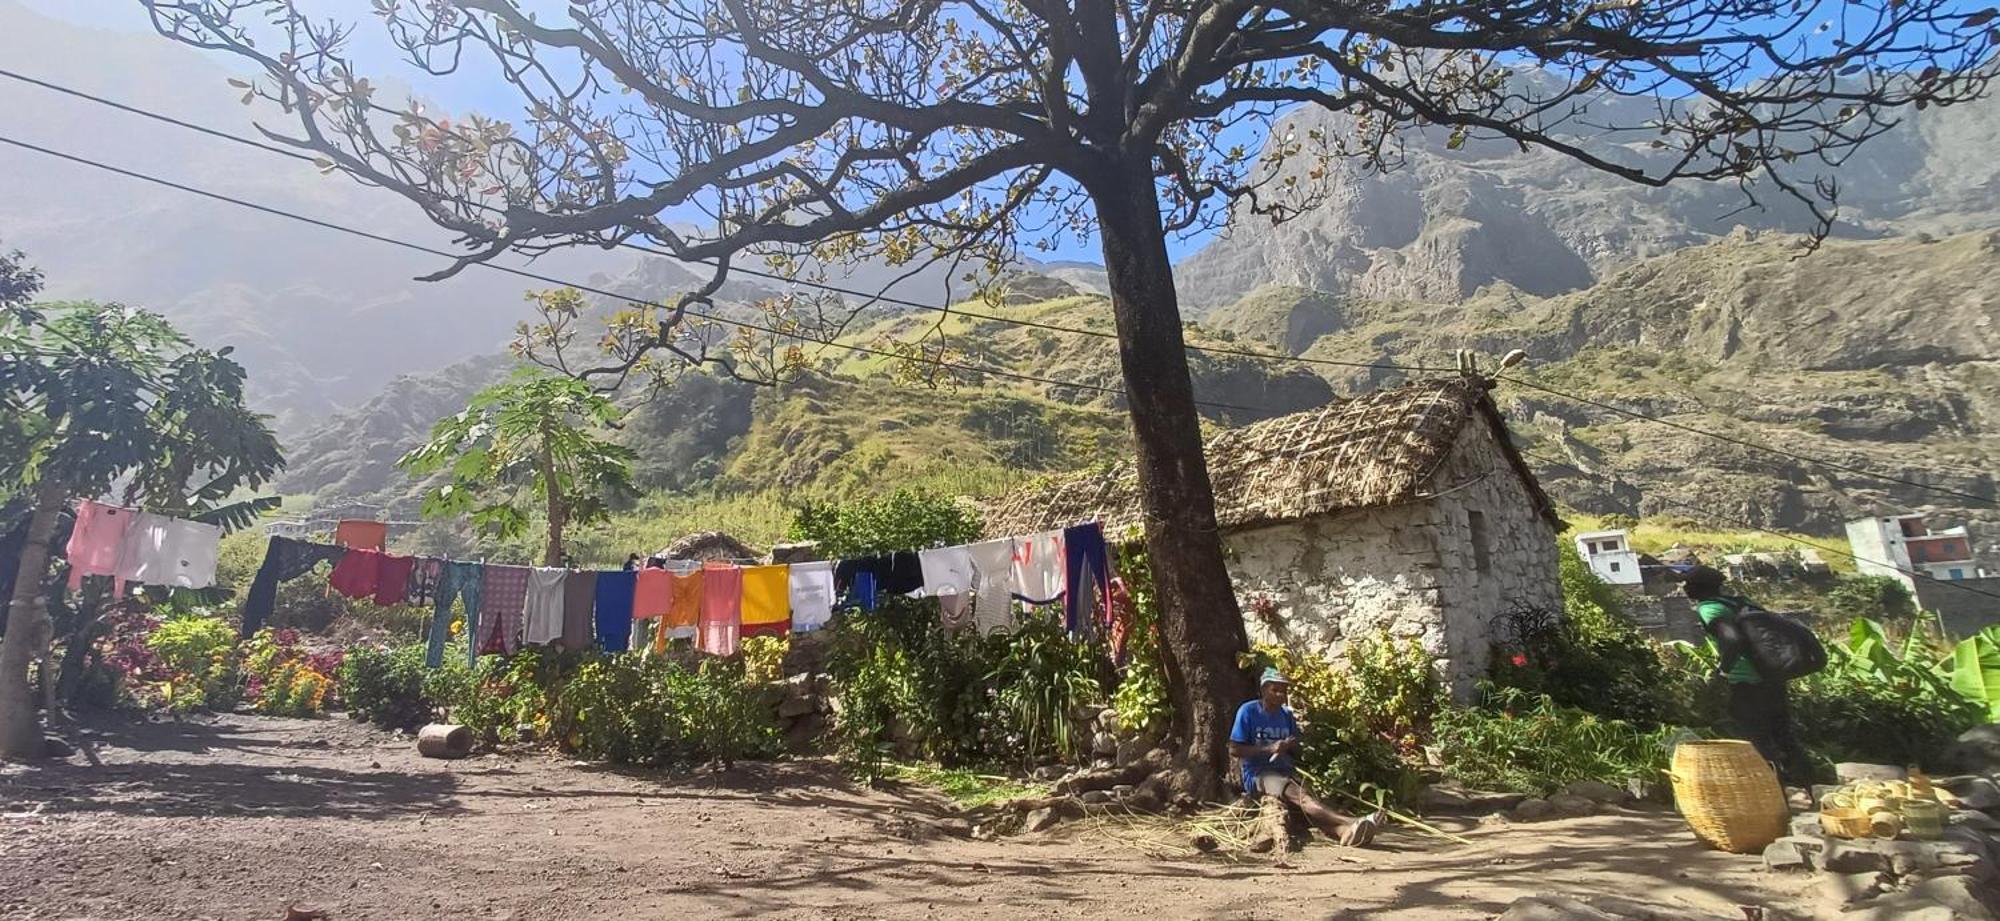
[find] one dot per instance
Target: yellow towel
(767, 606)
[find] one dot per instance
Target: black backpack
(1781, 646)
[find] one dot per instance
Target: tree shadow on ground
(230, 790)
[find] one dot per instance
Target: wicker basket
(1845, 823)
(1729, 795)
(1924, 818)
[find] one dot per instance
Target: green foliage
(1530, 744)
(386, 686)
(1975, 670)
(1141, 696)
(899, 521)
(1881, 701)
(1854, 596)
(901, 677)
(282, 680)
(198, 654)
(533, 436)
(103, 393)
(1042, 678)
(650, 710)
(764, 658)
(1367, 716)
(1590, 657)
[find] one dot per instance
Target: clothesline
(712, 603)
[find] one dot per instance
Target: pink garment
(95, 541)
(721, 608)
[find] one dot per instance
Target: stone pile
(804, 707)
(1950, 878)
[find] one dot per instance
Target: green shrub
(386, 686)
(898, 521)
(1531, 744)
(1042, 678)
(1141, 695)
(1590, 656)
(901, 678)
(281, 679)
(1366, 717)
(659, 711)
(501, 695)
(1880, 701)
(197, 654)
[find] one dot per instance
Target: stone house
(1406, 511)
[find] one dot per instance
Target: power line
(549, 280)
(1034, 324)
(1614, 479)
(711, 263)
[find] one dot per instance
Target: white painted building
(1405, 512)
(1903, 546)
(1610, 556)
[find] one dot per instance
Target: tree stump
(442, 740)
(1277, 824)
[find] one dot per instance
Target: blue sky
(464, 92)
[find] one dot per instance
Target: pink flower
(1520, 660)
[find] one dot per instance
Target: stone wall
(1963, 613)
(1410, 570)
(1515, 543)
(1311, 584)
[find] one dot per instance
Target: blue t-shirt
(1256, 727)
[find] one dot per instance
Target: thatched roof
(709, 545)
(1370, 451)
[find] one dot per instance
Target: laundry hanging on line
(140, 547)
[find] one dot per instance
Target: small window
(1481, 556)
(1958, 574)
(1614, 566)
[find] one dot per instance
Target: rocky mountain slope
(1880, 355)
(1448, 222)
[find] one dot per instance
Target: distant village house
(1406, 511)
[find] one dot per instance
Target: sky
(490, 96)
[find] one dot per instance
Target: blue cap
(1272, 675)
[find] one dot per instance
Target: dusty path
(234, 817)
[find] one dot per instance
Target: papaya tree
(800, 133)
(534, 437)
(102, 396)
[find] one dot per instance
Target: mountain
(1877, 355)
(1445, 223)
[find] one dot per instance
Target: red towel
(358, 574)
(392, 582)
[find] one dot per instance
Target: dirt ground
(237, 816)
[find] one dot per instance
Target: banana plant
(1974, 668)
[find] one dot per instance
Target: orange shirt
(358, 534)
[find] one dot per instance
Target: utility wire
(1051, 327)
(549, 280)
(1611, 478)
(711, 263)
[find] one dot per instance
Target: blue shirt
(1256, 727)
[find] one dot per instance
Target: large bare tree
(808, 132)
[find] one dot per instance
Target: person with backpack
(1758, 653)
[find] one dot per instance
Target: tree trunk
(558, 510)
(76, 652)
(1202, 629)
(28, 630)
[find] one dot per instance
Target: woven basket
(1729, 795)
(1924, 818)
(1845, 823)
